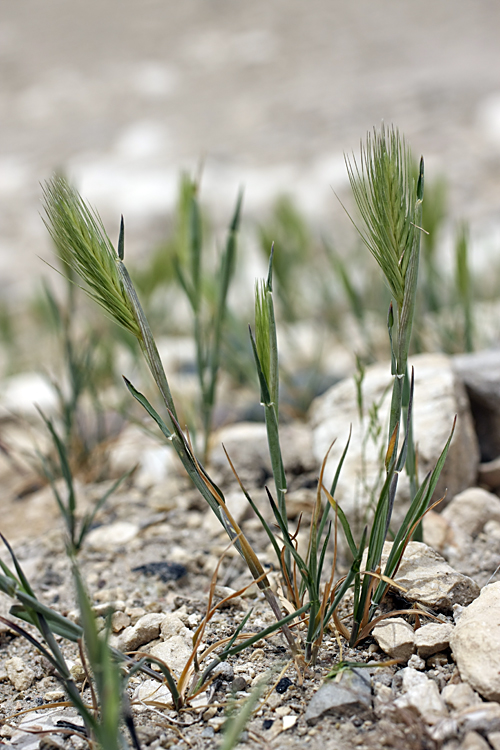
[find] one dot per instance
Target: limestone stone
(175, 652)
(395, 637)
(483, 718)
(460, 696)
(19, 673)
(474, 741)
(475, 643)
(349, 695)
(432, 637)
(471, 509)
(112, 535)
(427, 578)
(145, 630)
(439, 395)
(421, 695)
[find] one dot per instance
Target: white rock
(155, 458)
(145, 630)
(175, 652)
(172, 625)
(439, 395)
(238, 506)
(471, 509)
(433, 637)
(395, 637)
(19, 673)
(460, 696)
(474, 741)
(475, 643)
(22, 393)
(151, 690)
(427, 578)
(422, 696)
(112, 535)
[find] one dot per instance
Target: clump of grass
(390, 203)
(83, 243)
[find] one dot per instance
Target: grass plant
(207, 328)
(390, 202)
(76, 528)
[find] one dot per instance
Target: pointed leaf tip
(121, 239)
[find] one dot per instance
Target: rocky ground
(155, 546)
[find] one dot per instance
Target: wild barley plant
(82, 242)
(389, 199)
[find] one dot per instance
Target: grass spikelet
(82, 243)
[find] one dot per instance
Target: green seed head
(83, 245)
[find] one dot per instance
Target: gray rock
(439, 395)
(427, 578)
(396, 638)
(433, 637)
(351, 694)
(483, 718)
(475, 643)
(146, 629)
(480, 372)
(488, 474)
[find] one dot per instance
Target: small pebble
(283, 685)
(239, 683)
(267, 723)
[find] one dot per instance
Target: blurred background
(125, 94)
(150, 106)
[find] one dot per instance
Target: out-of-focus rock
(112, 535)
(460, 696)
(474, 741)
(439, 396)
(154, 458)
(475, 643)
(22, 393)
(480, 372)
(396, 638)
(246, 444)
(488, 474)
(471, 509)
(421, 695)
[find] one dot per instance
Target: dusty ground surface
(123, 95)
